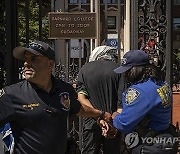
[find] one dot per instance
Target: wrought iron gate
(151, 30)
(151, 27)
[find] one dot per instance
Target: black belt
(154, 133)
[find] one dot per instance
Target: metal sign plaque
(72, 25)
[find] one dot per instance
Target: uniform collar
(54, 88)
(55, 85)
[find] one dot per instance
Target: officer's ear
(51, 64)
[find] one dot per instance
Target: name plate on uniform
(72, 25)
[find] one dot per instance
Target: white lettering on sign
(72, 31)
(82, 25)
(61, 18)
(83, 18)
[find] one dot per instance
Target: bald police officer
(37, 108)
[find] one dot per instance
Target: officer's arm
(134, 109)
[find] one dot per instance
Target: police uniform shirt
(143, 99)
(102, 86)
(38, 119)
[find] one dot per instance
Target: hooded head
(104, 52)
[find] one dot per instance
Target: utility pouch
(141, 127)
(174, 131)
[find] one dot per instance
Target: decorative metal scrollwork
(60, 72)
(73, 71)
(70, 74)
(2, 78)
(21, 75)
(152, 29)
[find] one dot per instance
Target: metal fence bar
(40, 19)
(106, 21)
(134, 24)
(27, 20)
(119, 31)
(169, 50)
(11, 40)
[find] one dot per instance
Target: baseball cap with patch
(37, 48)
(132, 58)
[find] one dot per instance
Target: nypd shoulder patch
(131, 95)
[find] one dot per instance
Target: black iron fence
(23, 21)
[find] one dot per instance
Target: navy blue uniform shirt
(142, 99)
(38, 119)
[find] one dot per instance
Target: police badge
(131, 95)
(64, 100)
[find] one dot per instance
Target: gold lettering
(31, 106)
(24, 106)
(165, 94)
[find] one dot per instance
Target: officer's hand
(107, 117)
(114, 114)
(119, 110)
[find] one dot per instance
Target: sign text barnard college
(72, 25)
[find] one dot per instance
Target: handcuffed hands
(108, 130)
(107, 117)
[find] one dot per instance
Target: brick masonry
(176, 108)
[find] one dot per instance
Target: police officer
(148, 96)
(37, 108)
(5, 130)
(99, 87)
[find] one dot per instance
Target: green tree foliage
(33, 20)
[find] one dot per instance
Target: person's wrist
(102, 114)
(115, 114)
(100, 117)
